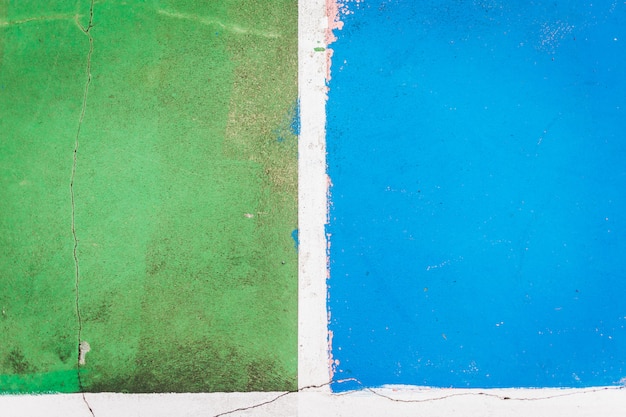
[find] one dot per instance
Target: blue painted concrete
(477, 152)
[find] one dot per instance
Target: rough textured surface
(182, 200)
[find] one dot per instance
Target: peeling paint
(83, 349)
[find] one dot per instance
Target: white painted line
(149, 405)
(413, 402)
(397, 402)
(312, 195)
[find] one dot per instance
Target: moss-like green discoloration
(184, 198)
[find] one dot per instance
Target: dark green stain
(184, 199)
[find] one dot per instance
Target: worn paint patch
(295, 120)
(171, 254)
(477, 216)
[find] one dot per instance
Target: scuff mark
(209, 21)
(83, 348)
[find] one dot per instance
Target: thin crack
(86, 31)
(423, 400)
(486, 394)
(87, 404)
(278, 397)
(479, 393)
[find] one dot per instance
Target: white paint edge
(313, 369)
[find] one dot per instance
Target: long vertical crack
(80, 344)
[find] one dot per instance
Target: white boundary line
(312, 195)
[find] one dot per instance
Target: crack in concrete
(278, 397)
(477, 393)
(233, 28)
(80, 357)
(486, 394)
(423, 400)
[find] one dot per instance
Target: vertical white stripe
(312, 195)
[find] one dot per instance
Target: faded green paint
(185, 200)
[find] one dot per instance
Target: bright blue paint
(294, 236)
(474, 168)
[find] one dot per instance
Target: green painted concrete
(184, 198)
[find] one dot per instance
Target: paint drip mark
(209, 21)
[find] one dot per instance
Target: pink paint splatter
(334, 22)
(334, 10)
